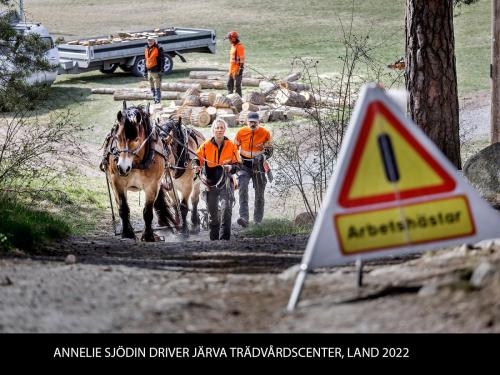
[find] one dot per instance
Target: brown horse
(135, 160)
(184, 142)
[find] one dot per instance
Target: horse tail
(167, 212)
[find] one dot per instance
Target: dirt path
(243, 285)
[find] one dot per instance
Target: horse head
(130, 137)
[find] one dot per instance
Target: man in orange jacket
(236, 63)
(254, 143)
(154, 68)
(218, 158)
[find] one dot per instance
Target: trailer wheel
(110, 70)
(168, 65)
(126, 68)
(139, 67)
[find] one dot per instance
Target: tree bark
(431, 76)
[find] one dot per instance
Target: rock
(482, 272)
(289, 273)
(483, 172)
(304, 219)
(70, 259)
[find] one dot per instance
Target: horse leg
(165, 217)
(148, 234)
(184, 212)
(124, 211)
(195, 216)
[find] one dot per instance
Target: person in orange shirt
(254, 144)
(218, 158)
(236, 63)
(154, 67)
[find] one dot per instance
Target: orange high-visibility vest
(236, 58)
(151, 55)
(209, 153)
(251, 143)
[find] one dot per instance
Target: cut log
(185, 113)
(286, 97)
(294, 86)
(203, 74)
(132, 95)
(277, 115)
(193, 91)
(212, 111)
(200, 117)
(192, 101)
(242, 118)
(255, 97)
(263, 116)
(206, 84)
(267, 87)
(181, 87)
(263, 108)
(249, 107)
(292, 77)
(236, 101)
(177, 103)
(230, 120)
(207, 98)
(225, 111)
(221, 101)
(103, 90)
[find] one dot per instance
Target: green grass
(274, 227)
(24, 227)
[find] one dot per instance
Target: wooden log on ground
(236, 101)
(181, 87)
(221, 101)
(277, 115)
(255, 97)
(185, 114)
(132, 95)
(203, 74)
(242, 118)
(200, 117)
(177, 103)
(193, 91)
(103, 90)
(263, 116)
(286, 97)
(225, 111)
(249, 107)
(192, 101)
(207, 99)
(294, 86)
(267, 87)
(206, 84)
(212, 111)
(230, 119)
(292, 77)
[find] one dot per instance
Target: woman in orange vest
(236, 63)
(218, 158)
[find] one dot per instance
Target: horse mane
(130, 115)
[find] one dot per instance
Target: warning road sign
(393, 193)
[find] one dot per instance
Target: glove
(240, 72)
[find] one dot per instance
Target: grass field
(272, 32)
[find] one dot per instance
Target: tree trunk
(431, 76)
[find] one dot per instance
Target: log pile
(122, 37)
(195, 102)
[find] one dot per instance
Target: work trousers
(220, 210)
(231, 83)
(259, 184)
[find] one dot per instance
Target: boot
(158, 96)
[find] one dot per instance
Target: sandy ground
(243, 285)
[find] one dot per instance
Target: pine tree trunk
(431, 76)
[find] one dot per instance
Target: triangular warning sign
(418, 172)
(392, 193)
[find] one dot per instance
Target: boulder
(304, 219)
(483, 172)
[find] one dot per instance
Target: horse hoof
(149, 237)
(195, 230)
(129, 234)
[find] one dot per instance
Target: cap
(151, 38)
(231, 34)
(253, 116)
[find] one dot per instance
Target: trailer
(108, 53)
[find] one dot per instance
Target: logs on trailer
(286, 97)
(255, 97)
(200, 117)
(192, 101)
(236, 101)
(292, 77)
(294, 86)
(221, 101)
(230, 120)
(206, 84)
(207, 99)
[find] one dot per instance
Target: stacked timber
(236, 101)
(222, 101)
(191, 101)
(230, 119)
(207, 99)
(255, 97)
(200, 117)
(290, 98)
(185, 114)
